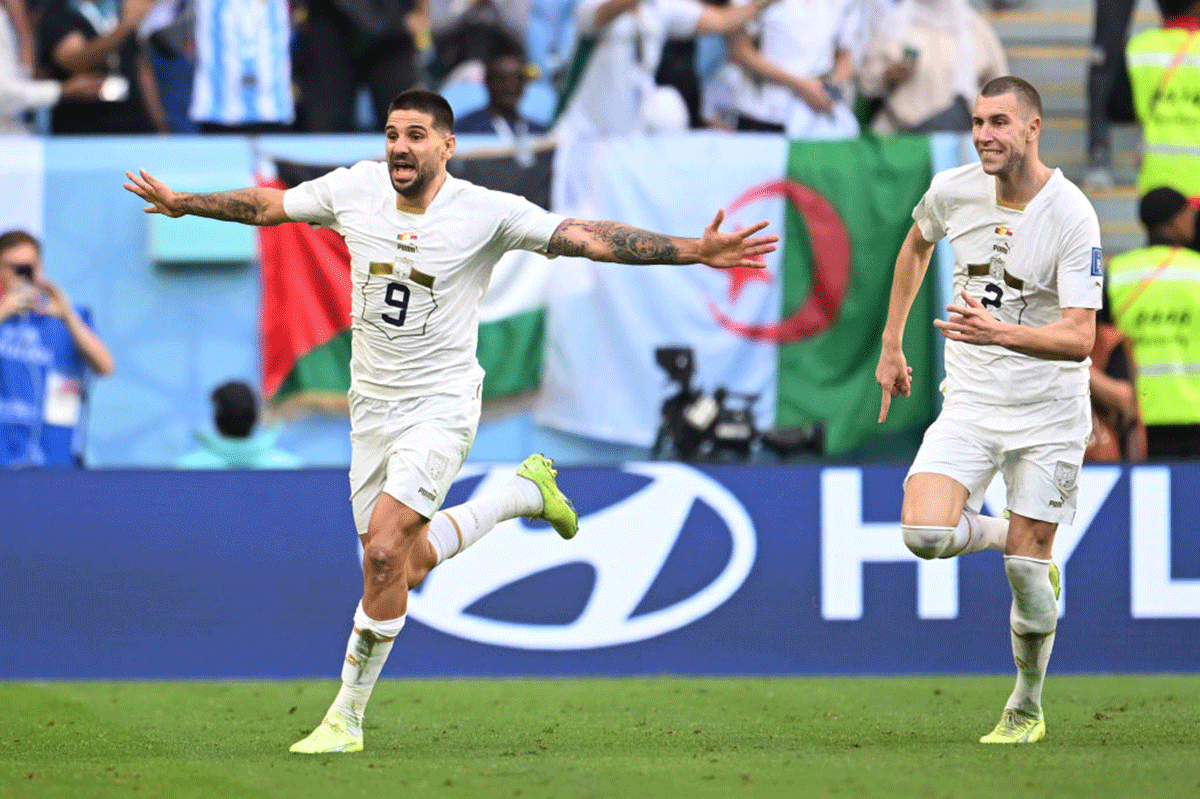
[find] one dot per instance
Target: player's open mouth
(404, 170)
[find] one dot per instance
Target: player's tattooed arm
(253, 206)
(240, 205)
(621, 243)
(612, 241)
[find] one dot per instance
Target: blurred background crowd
(1120, 78)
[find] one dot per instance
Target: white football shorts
(1038, 448)
(411, 449)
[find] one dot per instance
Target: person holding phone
(48, 352)
(925, 64)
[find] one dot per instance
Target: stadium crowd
(524, 68)
(319, 66)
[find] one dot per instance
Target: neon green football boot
(333, 734)
(1016, 727)
(557, 509)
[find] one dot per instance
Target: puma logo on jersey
(429, 495)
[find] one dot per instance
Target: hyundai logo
(626, 543)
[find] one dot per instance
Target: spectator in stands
(1155, 295)
(243, 77)
(611, 89)
(19, 93)
(343, 44)
(168, 36)
(466, 32)
(1118, 432)
(1170, 219)
(799, 66)
(48, 351)
(926, 63)
(1107, 86)
(82, 37)
(235, 444)
(505, 79)
(16, 36)
(679, 69)
(1164, 73)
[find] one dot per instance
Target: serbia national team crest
(660, 548)
(1065, 475)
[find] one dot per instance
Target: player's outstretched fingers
(717, 220)
(746, 233)
(884, 404)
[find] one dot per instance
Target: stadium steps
(1048, 42)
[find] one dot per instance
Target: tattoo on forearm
(230, 206)
(623, 243)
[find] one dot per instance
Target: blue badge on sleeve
(1097, 262)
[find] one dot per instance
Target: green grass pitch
(1112, 736)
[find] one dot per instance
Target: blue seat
(465, 96)
(539, 101)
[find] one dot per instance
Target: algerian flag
(803, 333)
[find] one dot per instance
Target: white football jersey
(1024, 266)
(418, 278)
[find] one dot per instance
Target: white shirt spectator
(801, 37)
(18, 93)
(617, 78)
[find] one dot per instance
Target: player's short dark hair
(1026, 95)
(235, 409)
(15, 238)
(426, 102)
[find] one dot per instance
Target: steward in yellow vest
(1164, 73)
(1155, 296)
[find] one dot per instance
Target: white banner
(22, 174)
(604, 321)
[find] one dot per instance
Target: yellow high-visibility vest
(1155, 298)
(1164, 72)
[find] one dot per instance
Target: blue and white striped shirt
(243, 62)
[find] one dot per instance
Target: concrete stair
(1049, 44)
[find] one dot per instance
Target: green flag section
(870, 185)
(801, 334)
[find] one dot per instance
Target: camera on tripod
(697, 427)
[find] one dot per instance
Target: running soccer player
(1028, 276)
(422, 247)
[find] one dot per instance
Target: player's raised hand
(970, 322)
(894, 376)
(728, 250)
(161, 198)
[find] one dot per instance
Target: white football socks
(454, 529)
(1033, 617)
(976, 533)
(366, 652)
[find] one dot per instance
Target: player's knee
(928, 542)
(381, 556)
